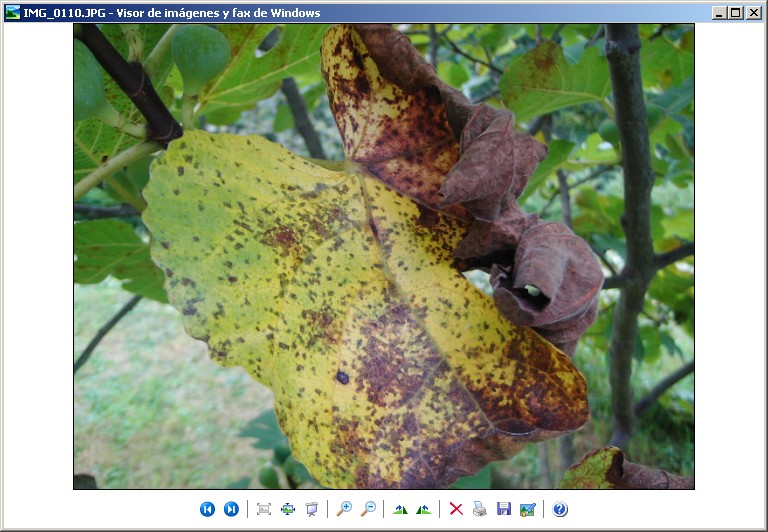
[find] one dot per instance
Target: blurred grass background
(152, 411)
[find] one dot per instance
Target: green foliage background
(571, 111)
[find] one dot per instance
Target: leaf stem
(132, 154)
(85, 355)
(158, 63)
(188, 104)
(135, 42)
(136, 202)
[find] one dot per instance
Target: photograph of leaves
(422, 256)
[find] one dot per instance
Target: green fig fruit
(89, 96)
(609, 131)
(654, 115)
(268, 477)
(200, 53)
(281, 454)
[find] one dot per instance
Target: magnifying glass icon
(370, 506)
(345, 507)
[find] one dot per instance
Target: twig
(663, 385)
(565, 198)
(301, 120)
(659, 31)
(461, 52)
(597, 35)
(670, 257)
(556, 34)
(97, 211)
(433, 44)
(83, 358)
(124, 158)
(131, 78)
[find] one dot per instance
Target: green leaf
(112, 247)
(283, 118)
(265, 430)
(253, 75)
(542, 81)
(452, 73)
(663, 64)
(558, 152)
(649, 336)
(480, 481)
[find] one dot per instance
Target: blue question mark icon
(559, 509)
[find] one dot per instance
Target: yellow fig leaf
(389, 368)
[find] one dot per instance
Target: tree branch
(461, 52)
(670, 257)
(622, 49)
(615, 281)
(131, 78)
(664, 385)
(83, 358)
(97, 211)
(565, 198)
(301, 120)
(434, 39)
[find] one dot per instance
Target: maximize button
(735, 13)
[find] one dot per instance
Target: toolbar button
(719, 12)
(559, 509)
(207, 509)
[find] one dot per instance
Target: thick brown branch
(664, 385)
(301, 118)
(616, 281)
(131, 78)
(622, 49)
(670, 257)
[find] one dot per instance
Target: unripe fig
(200, 53)
(89, 96)
(268, 477)
(281, 454)
(654, 115)
(609, 131)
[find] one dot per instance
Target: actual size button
(735, 13)
(754, 12)
(719, 12)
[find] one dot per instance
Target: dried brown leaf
(491, 173)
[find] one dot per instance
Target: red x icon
(456, 509)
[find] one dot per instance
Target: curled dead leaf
(606, 468)
(493, 169)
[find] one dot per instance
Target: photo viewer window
(383, 265)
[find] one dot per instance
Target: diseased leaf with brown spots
(389, 103)
(400, 136)
(606, 468)
(389, 368)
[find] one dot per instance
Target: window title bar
(391, 13)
